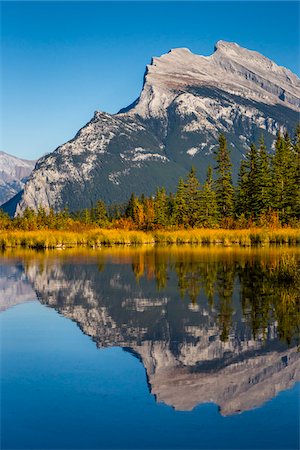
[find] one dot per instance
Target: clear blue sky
(64, 60)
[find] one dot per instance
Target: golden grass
(108, 237)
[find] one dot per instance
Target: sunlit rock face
(187, 357)
(185, 102)
(14, 172)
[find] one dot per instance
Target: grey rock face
(186, 101)
(14, 172)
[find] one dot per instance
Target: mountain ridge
(186, 101)
(14, 172)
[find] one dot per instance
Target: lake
(148, 347)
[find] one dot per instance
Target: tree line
(267, 192)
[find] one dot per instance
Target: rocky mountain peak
(231, 68)
(186, 101)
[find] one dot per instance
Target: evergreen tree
(253, 182)
(265, 178)
(224, 187)
(296, 173)
(100, 214)
(290, 188)
(129, 210)
(282, 174)
(179, 213)
(192, 198)
(241, 197)
(161, 208)
(208, 203)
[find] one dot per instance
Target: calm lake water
(170, 348)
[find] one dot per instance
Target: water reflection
(216, 326)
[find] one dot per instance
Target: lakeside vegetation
(263, 208)
(108, 237)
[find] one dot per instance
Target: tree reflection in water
(208, 324)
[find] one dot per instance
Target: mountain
(185, 102)
(178, 342)
(14, 172)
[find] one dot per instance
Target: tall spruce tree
(282, 188)
(241, 196)
(161, 208)
(129, 210)
(223, 184)
(289, 174)
(265, 178)
(208, 202)
(253, 185)
(192, 198)
(296, 173)
(100, 214)
(179, 213)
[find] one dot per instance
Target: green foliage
(241, 197)
(192, 198)
(223, 184)
(264, 179)
(267, 194)
(284, 188)
(100, 214)
(180, 212)
(161, 208)
(253, 182)
(209, 215)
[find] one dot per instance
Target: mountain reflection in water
(216, 326)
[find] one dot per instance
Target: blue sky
(61, 61)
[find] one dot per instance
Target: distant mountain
(186, 101)
(14, 172)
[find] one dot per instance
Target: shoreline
(96, 238)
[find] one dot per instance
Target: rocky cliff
(185, 102)
(14, 172)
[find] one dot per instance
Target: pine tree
(208, 202)
(100, 214)
(192, 198)
(282, 171)
(296, 173)
(289, 178)
(129, 210)
(265, 178)
(241, 196)
(223, 183)
(161, 208)
(179, 213)
(253, 184)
